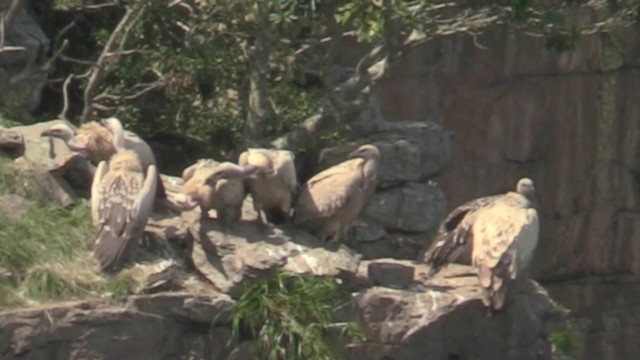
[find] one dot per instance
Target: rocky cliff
(568, 121)
(193, 271)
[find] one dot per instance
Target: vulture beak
(46, 133)
(354, 154)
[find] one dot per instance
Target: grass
(562, 341)
(45, 252)
(291, 317)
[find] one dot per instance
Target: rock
(409, 151)
(229, 257)
(10, 140)
(99, 330)
(413, 207)
(445, 319)
(12, 206)
(20, 90)
(392, 274)
(44, 186)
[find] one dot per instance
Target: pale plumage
(503, 232)
(275, 182)
(331, 200)
(121, 202)
(96, 141)
(218, 186)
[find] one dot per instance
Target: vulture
(121, 201)
(503, 233)
(331, 200)
(274, 183)
(97, 142)
(213, 185)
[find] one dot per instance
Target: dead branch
(29, 69)
(9, 18)
(100, 68)
(65, 97)
(157, 85)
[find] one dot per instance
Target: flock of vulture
(501, 230)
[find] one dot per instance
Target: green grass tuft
(45, 251)
(291, 317)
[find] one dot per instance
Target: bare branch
(9, 18)
(65, 96)
(120, 98)
(122, 53)
(29, 69)
(100, 68)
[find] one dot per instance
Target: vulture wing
(102, 169)
(505, 237)
(115, 207)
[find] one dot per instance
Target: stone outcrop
(565, 120)
(20, 86)
(193, 271)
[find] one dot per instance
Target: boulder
(21, 86)
(413, 207)
(443, 318)
(413, 151)
(159, 326)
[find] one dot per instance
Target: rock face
(566, 121)
(20, 88)
(406, 209)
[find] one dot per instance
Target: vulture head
(230, 171)
(366, 152)
(525, 188)
(66, 134)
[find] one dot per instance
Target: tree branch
(9, 18)
(101, 64)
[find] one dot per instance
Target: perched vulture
(121, 200)
(133, 142)
(218, 186)
(331, 200)
(273, 186)
(503, 232)
(97, 141)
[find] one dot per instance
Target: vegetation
(290, 317)
(230, 73)
(562, 341)
(44, 252)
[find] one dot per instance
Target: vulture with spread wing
(273, 185)
(331, 200)
(503, 233)
(121, 201)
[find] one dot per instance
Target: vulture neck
(118, 137)
(370, 168)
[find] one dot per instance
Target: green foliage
(562, 341)
(288, 317)
(44, 252)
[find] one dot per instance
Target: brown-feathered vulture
(97, 142)
(213, 185)
(273, 186)
(331, 200)
(121, 200)
(503, 232)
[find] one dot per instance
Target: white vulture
(121, 200)
(97, 142)
(331, 200)
(503, 233)
(273, 186)
(218, 186)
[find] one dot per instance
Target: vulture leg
(95, 189)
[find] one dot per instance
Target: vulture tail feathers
(445, 249)
(111, 249)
